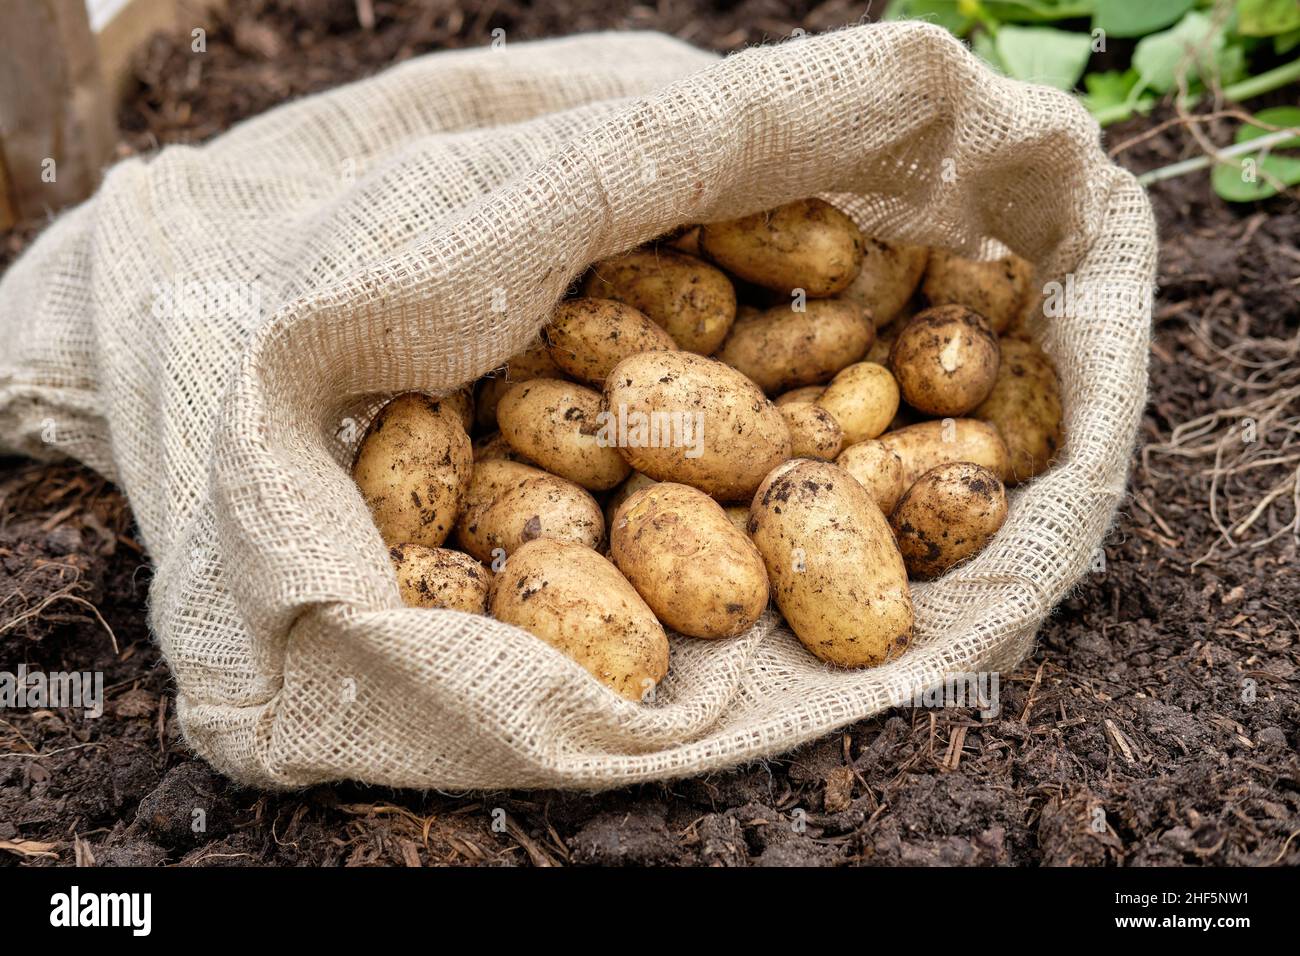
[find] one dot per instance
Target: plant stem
(1246, 89)
(1200, 162)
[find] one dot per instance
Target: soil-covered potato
(676, 416)
(835, 571)
(878, 469)
(684, 239)
(947, 516)
(700, 575)
(440, 578)
(543, 506)
(879, 351)
(808, 393)
(927, 444)
(688, 297)
(1025, 407)
(738, 515)
(579, 603)
(996, 289)
(863, 398)
(945, 360)
(533, 363)
(885, 284)
(493, 446)
(634, 483)
(556, 424)
(781, 349)
(588, 337)
(413, 468)
(461, 402)
(807, 244)
(491, 479)
(814, 432)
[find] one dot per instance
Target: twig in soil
(63, 594)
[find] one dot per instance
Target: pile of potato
(768, 408)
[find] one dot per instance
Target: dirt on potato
(1157, 721)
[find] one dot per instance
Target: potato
(877, 469)
(809, 393)
(691, 299)
(781, 349)
(1025, 407)
(947, 516)
(492, 478)
(945, 360)
(879, 351)
(682, 417)
(684, 239)
(890, 273)
(534, 363)
(438, 577)
(635, 482)
(700, 576)
(927, 444)
(835, 571)
(556, 424)
(588, 337)
(413, 469)
(807, 244)
(579, 603)
(738, 515)
(995, 289)
(540, 507)
(863, 398)
(814, 432)
(495, 447)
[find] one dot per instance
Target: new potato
(588, 337)
(807, 244)
(781, 349)
(945, 360)
(533, 363)
(997, 289)
(878, 469)
(890, 273)
(924, 445)
(540, 507)
(579, 603)
(440, 578)
(814, 432)
(556, 424)
(947, 516)
(1025, 407)
(692, 300)
(699, 575)
(413, 468)
(863, 398)
(834, 569)
(690, 419)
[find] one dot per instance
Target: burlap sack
(214, 328)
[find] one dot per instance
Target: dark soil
(1157, 722)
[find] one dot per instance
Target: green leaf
(944, 13)
(1044, 55)
(1108, 89)
(1037, 11)
(1159, 57)
(1247, 180)
(1286, 42)
(1266, 18)
(1127, 18)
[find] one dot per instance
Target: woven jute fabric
(213, 329)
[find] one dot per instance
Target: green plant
(1184, 48)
